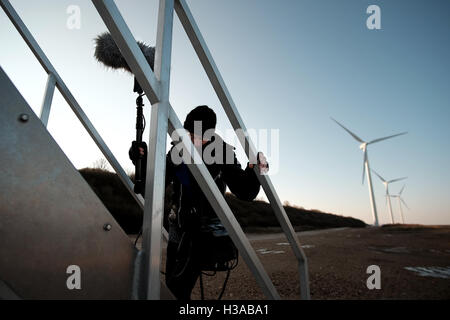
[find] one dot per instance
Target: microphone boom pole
(107, 53)
(139, 171)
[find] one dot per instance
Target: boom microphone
(107, 52)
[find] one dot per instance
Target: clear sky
(289, 65)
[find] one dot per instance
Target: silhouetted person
(189, 208)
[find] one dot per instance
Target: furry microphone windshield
(107, 52)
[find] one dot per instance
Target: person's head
(198, 121)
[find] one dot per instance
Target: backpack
(213, 248)
(204, 238)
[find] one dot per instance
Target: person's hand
(137, 150)
(263, 165)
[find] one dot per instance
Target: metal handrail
(205, 57)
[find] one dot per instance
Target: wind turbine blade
(401, 199)
(385, 138)
(351, 133)
(381, 178)
(402, 190)
(399, 179)
(364, 165)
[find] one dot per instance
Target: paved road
(414, 263)
(268, 236)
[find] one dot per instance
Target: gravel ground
(338, 261)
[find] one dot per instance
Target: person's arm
(170, 168)
(244, 184)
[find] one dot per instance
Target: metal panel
(50, 218)
(156, 163)
(199, 44)
(135, 59)
(48, 98)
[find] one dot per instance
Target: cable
(230, 265)
(202, 294)
(138, 236)
(188, 259)
(237, 261)
(224, 285)
(145, 123)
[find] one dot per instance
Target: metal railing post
(156, 163)
(48, 98)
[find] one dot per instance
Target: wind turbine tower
(388, 196)
(400, 200)
(366, 168)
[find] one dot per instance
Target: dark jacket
(187, 201)
(191, 205)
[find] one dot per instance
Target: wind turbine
(366, 168)
(388, 198)
(400, 200)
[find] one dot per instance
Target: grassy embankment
(255, 216)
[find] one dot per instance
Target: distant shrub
(116, 198)
(260, 213)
